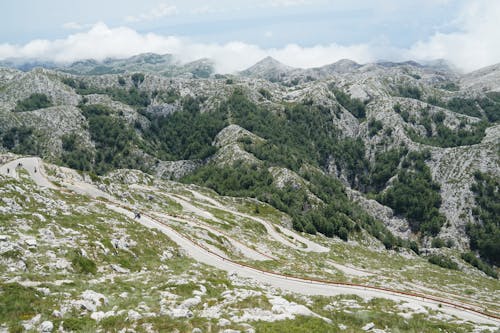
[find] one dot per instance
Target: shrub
(409, 91)
(310, 229)
(137, 79)
(374, 126)
(70, 82)
(397, 108)
(479, 264)
(184, 135)
(75, 154)
(265, 93)
(437, 243)
(443, 261)
(33, 102)
(450, 86)
(83, 265)
(353, 105)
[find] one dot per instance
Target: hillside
(373, 174)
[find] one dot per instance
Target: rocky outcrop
(175, 169)
(398, 226)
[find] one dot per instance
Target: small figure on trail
(137, 215)
(35, 169)
(19, 165)
(8, 170)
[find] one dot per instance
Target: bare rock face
(453, 169)
(484, 79)
(230, 150)
(233, 134)
(175, 169)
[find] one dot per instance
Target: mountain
(269, 69)
(164, 65)
(181, 200)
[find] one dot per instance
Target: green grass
(18, 302)
(83, 265)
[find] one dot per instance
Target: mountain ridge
(384, 176)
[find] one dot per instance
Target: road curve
(310, 246)
(292, 284)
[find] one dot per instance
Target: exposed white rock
(368, 327)
(133, 315)
(100, 315)
(46, 326)
(190, 302)
(31, 323)
(57, 314)
(119, 269)
(224, 322)
(31, 242)
(179, 313)
(90, 301)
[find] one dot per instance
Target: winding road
(289, 283)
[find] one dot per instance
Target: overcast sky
(237, 33)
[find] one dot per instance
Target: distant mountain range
(167, 65)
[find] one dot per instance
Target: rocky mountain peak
(267, 68)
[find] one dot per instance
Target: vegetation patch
(83, 264)
(443, 261)
(23, 140)
(471, 258)
(353, 105)
(33, 102)
(415, 195)
(187, 134)
(446, 137)
(18, 302)
(409, 91)
(487, 107)
(384, 168)
(485, 233)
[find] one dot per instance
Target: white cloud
(101, 42)
(287, 3)
(160, 11)
(76, 26)
(475, 45)
(72, 26)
